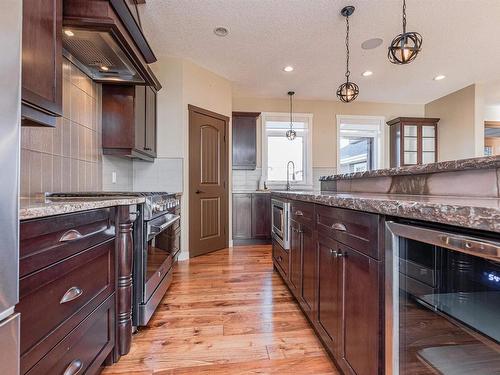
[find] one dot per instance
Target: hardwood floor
(226, 313)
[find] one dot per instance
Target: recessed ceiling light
(439, 77)
(372, 43)
(69, 33)
(221, 31)
(288, 68)
(104, 68)
(367, 73)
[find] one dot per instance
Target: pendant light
(348, 91)
(291, 134)
(406, 46)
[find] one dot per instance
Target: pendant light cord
(404, 16)
(347, 73)
(291, 109)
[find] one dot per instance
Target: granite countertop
(31, 208)
(443, 166)
(250, 191)
(469, 212)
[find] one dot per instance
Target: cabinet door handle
(336, 254)
(70, 235)
(74, 367)
(299, 213)
(280, 259)
(148, 149)
(339, 226)
(71, 294)
(199, 192)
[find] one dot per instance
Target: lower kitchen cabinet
(338, 286)
(251, 218)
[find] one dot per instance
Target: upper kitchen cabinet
(129, 121)
(413, 141)
(42, 62)
(245, 140)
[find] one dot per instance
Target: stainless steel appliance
(10, 108)
(155, 253)
(281, 222)
(442, 300)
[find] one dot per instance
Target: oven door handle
(162, 227)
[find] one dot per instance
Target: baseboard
(252, 241)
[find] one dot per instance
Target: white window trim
(380, 151)
(307, 183)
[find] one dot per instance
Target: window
(278, 151)
(360, 143)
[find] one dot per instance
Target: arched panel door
(208, 170)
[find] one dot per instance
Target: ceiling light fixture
(406, 46)
(104, 68)
(439, 77)
(291, 134)
(367, 73)
(69, 32)
(221, 31)
(348, 91)
(288, 69)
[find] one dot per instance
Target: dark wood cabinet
(261, 216)
(41, 62)
(329, 293)
(251, 218)
(335, 273)
(245, 140)
(129, 121)
(413, 141)
(295, 258)
(361, 297)
(242, 216)
(309, 270)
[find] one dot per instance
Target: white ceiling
(461, 40)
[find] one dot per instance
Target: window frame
(307, 182)
(381, 154)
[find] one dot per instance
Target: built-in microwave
(442, 301)
(281, 222)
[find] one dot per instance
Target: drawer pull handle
(299, 213)
(280, 259)
(71, 294)
(336, 254)
(339, 226)
(74, 367)
(70, 235)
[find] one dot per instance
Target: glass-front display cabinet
(413, 141)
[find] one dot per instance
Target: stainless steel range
(156, 247)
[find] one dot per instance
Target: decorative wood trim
(124, 258)
(246, 114)
(413, 120)
(206, 112)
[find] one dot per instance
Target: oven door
(280, 211)
(161, 245)
(442, 302)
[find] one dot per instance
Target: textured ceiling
(461, 40)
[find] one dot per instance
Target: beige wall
(460, 130)
(67, 157)
(324, 119)
(186, 83)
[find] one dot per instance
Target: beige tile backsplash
(67, 157)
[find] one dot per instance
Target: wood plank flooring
(226, 313)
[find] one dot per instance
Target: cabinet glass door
(428, 144)
(410, 134)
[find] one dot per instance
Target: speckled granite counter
(31, 208)
(476, 213)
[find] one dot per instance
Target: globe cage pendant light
(348, 91)
(290, 133)
(405, 47)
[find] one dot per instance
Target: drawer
(281, 257)
(85, 348)
(48, 240)
(302, 212)
(359, 230)
(56, 299)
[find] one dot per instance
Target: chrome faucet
(288, 174)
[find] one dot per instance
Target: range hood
(103, 39)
